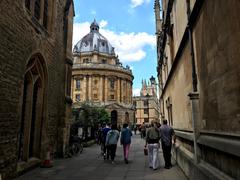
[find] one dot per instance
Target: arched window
(27, 4)
(33, 105)
(41, 10)
(45, 14)
(37, 9)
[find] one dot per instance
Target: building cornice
(91, 53)
(98, 66)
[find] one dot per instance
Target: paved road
(90, 166)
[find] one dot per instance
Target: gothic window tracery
(45, 14)
(40, 10)
(27, 4)
(33, 105)
(37, 9)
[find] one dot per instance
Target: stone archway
(114, 117)
(33, 107)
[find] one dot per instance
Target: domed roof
(94, 41)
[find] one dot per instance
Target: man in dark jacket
(167, 134)
(105, 130)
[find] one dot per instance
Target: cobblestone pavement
(90, 166)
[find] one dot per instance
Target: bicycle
(75, 146)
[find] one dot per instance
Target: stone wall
(21, 38)
(218, 67)
(207, 143)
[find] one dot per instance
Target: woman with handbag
(152, 142)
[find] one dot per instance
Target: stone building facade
(98, 77)
(198, 71)
(147, 105)
(35, 77)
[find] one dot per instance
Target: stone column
(90, 88)
(84, 88)
(106, 89)
(131, 93)
(127, 92)
(118, 90)
(194, 98)
(101, 89)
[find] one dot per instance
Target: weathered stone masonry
(34, 64)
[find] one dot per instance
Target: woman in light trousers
(152, 141)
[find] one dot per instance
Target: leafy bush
(89, 115)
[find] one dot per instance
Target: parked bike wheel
(80, 148)
(75, 149)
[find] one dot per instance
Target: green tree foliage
(90, 115)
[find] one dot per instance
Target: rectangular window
(134, 103)
(37, 9)
(78, 97)
(95, 96)
(45, 14)
(78, 84)
(112, 97)
(145, 111)
(145, 102)
(86, 60)
(112, 83)
(146, 120)
(104, 61)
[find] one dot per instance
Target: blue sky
(128, 25)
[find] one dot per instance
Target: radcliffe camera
(105, 90)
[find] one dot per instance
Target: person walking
(105, 130)
(167, 135)
(125, 140)
(143, 130)
(152, 141)
(112, 140)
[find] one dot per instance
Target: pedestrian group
(156, 133)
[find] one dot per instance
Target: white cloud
(128, 46)
(103, 23)
(80, 30)
(136, 3)
(136, 92)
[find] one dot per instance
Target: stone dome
(94, 41)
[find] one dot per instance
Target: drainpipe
(194, 96)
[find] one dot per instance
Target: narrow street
(90, 166)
